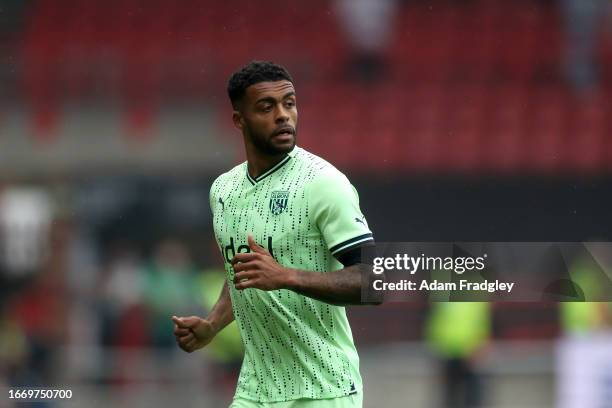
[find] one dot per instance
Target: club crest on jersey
(278, 201)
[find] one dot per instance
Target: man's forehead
(275, 89)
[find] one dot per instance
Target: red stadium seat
(434, 116)
(546, 130)
(504, 129)
(586, 145)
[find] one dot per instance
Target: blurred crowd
(75, 301)
(84, 311)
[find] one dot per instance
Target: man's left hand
(258, 269)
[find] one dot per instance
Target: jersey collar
(274, 168)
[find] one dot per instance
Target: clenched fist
(192, 333)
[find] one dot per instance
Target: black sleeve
(356, 255)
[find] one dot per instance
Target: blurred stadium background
(456, 120)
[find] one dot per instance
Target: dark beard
(265, 145)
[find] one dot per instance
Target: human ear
(238, 120)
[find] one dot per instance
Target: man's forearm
(221, 314)
(341, 288)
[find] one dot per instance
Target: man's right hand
(192, 333)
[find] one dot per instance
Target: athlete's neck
(258, 163)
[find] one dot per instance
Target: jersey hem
(298, 397)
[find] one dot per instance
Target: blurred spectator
(168, 286)
(457, 333)
(584, 317)
(583, 21)
(40, 309)
(18, 367)
(584, 359)
(120, 290)
(368, 27)
(13, 350)
(25, 221)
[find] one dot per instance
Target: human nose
(282, 114)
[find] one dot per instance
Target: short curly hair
(253, 73)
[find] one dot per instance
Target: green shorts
(350, 401)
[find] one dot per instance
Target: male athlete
(290, 229)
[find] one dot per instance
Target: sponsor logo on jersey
(278, 201)
(222, 204)
(361, 220)
(229, 251)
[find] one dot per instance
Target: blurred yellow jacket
(584, 317)
(458, 329)
(227, 346)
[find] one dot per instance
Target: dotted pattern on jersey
(295, 346)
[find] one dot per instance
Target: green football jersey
(303, 211)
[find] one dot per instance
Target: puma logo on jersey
(361, 220)
(222, 204)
